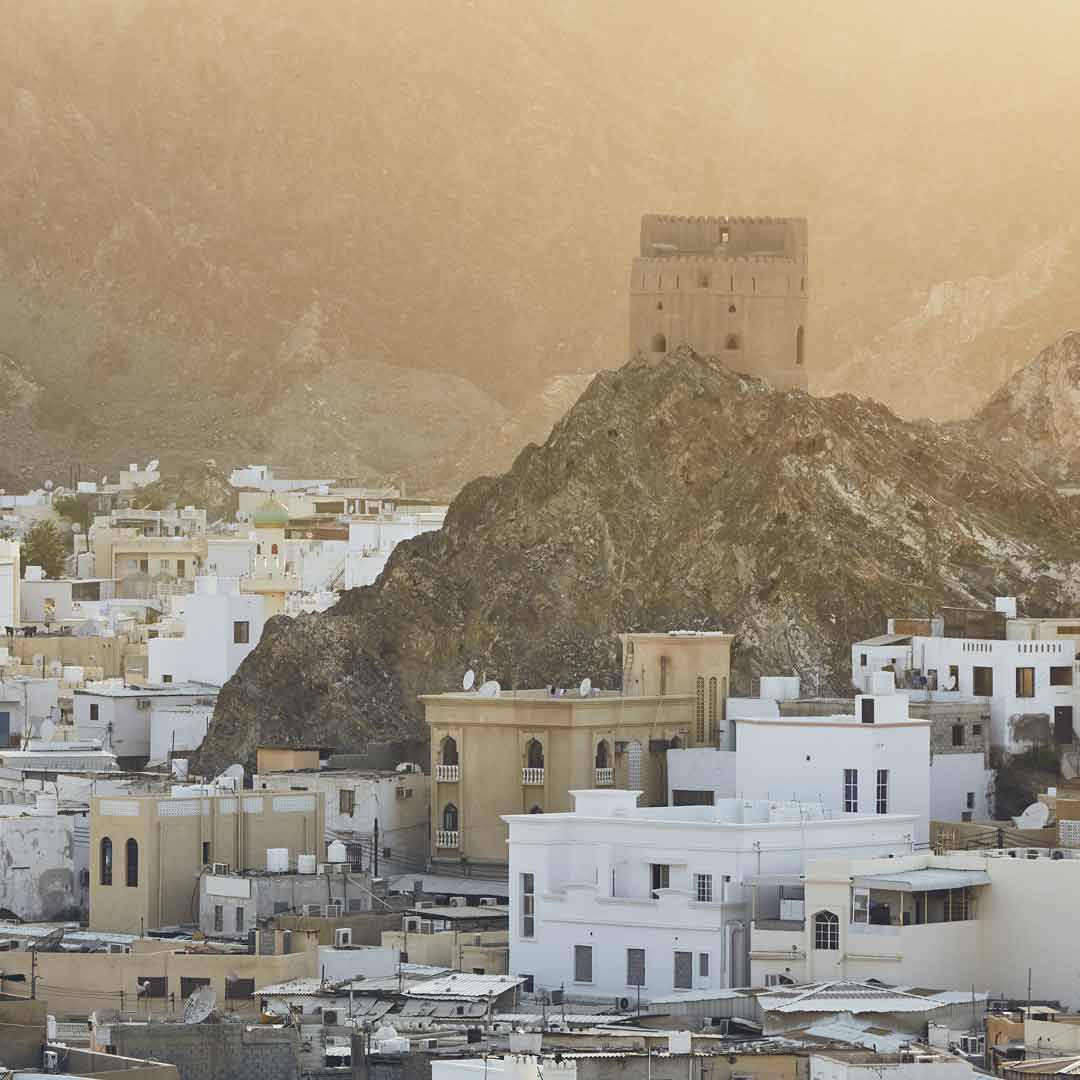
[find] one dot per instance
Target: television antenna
(469, 681)
(585, 689)
(200, 1005)
(490, 689)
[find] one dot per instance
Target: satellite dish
(469, 681)
(49, 943)
(951, 683)
(1034, 817)
(490, 689)
(200, 1005)
(585, 689)
(277, 1007)
(236, 771)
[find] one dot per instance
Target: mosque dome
(271, 515)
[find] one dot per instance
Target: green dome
(271, 515)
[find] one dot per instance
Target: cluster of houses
(657, 877)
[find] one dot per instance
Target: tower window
(731, 309)
(800, 346)
(659, 343)
(732, 341)
(703, 281)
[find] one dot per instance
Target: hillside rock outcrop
(673, 494)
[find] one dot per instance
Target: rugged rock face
(673, 494)
(1035, 416)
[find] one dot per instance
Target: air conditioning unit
(343, 938)
(51, 1061)
(622, 1004)
(118, 949)
(412, 926)
(489, 901)
(420, 904)
(220, 868)
(429, 1044)
(458, 901)
(313, 909)
(330, 1017)
(971, 1044)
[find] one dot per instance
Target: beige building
(524, 751)
(152, 976)
(735, 288)
(147, 852)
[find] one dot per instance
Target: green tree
(43, 546)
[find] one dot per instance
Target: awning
(916, 881)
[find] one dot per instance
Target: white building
(958, 920)
(29, 708)
(118, 717)
(1027, 673)
(355, 799)
(922, 1066)
(177, 729)
(371, 543)
(221, 626)
(9, 583)
(876, 761)
(613, 899)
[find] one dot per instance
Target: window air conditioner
(488, 901)
(458, 901)
(220, 868)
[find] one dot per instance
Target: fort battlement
(729, 286)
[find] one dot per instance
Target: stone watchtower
(734, 287)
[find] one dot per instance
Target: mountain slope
(1035, 416)
(673, 494)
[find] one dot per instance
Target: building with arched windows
(523, 751)
(730, 287)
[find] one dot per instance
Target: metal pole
(375, 853)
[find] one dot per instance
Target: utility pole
(375, 852)
(33, 974)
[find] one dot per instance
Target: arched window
(703, 281)
(659, 305)
(676, 743)
(712, 709)
(131, 864)
(800, 345)
(273, 549)
(699, 711)
(536, 810)
(732, 341)
(659, 343)
(603, 754)
(106, 861)
(534, 755)
(633, 754)
(826, 931)
(731, 309)
(449, 818)
(448, 751)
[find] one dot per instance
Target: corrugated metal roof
(927, 880)
(1066, 1065)
(699, 995)
(845, 996)
(847, 1029)
(463, 985)
(294, 987)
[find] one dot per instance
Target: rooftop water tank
(277, 860)
(306, 864)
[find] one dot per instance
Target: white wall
(9, 583)
(35, 593)
(207, 652)
(40, 881)
(823, 1067)
(952, 777)
(701, 769)
(593, 885)
(177, 728)
(804, 759)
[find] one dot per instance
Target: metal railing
(449, 773)
(532, 777)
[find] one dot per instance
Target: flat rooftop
(178, 689)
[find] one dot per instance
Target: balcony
(449, 774)
(605, 777)
(446, 839)
(532, 777)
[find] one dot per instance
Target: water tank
(337, 852)
(306, 864)
(277, 860)
(73, 673)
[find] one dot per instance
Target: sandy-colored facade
(77, 984)
(524, 751)
(147, 852)
(735, 288)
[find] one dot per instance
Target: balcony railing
(605, 777)
(532, 777)
(445, 838)
(448, 773)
